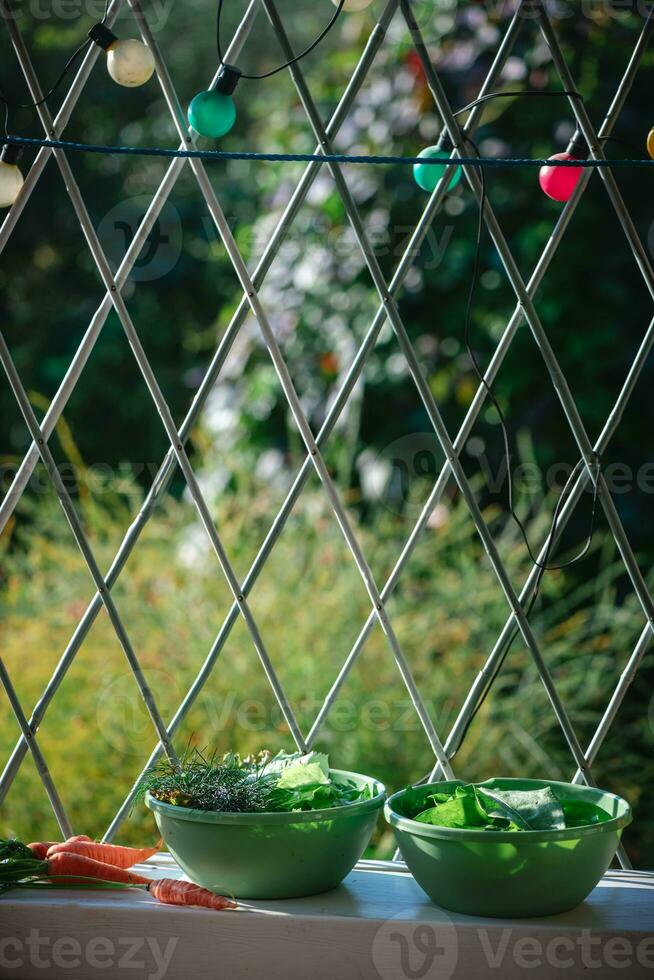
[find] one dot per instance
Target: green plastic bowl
(270, 855)
(515, 874)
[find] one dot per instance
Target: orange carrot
(65, 866)
(173, 892)
(117, 856)
(40, 848)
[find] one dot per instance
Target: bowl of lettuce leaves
(263, 827)
(512, 848)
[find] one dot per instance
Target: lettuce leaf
(304, 782)
(299, 776)
(534, 809)
(474, 807)
(461, 810)
(303, 774)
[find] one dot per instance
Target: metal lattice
(525, 311)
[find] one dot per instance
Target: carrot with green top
(113, 854)
(66, 866)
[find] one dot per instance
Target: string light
(427, 175)
(11, 179)
(650, 143)
(213, 113)
(129, 62)
(170, 153)
(559, 183)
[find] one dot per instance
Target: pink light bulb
(559, 182)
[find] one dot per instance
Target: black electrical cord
(552, 533)
(518, 94)
(622, 142)
(545, 566)
(287, 64)
(33, 105)
(9, 105)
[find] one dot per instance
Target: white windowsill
(377, 926)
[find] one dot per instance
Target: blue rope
(29, 141)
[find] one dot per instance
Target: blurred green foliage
(318, 294)
(309, 604)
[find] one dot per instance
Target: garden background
(309, 600)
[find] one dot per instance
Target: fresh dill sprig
(228, 785)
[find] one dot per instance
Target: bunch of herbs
(262, 783)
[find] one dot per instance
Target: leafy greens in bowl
(284, 783)
(507, 847)
(474, 807)
(266, 828)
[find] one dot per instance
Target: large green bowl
(270, 855)
(510, 873)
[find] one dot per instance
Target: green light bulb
(212, 114)
(428, 175)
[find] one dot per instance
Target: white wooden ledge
(377, 926)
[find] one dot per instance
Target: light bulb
(353, 6)
(129, 62)
(11, 179)
(427, 175)
(650, 143)
(213, 113)
(559, 183)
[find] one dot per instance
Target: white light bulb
(130, 62)
(353, 6)
(11, 181)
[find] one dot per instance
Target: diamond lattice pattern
(443, 746)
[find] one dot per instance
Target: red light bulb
(559, 182)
